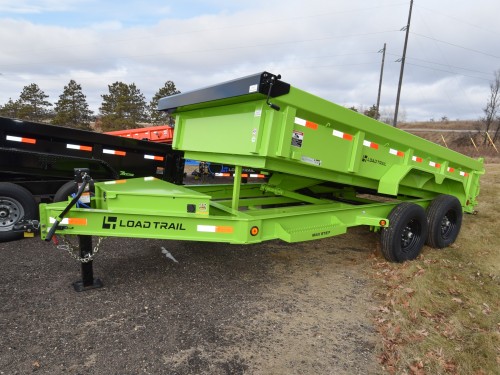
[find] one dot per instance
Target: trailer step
(301, 233)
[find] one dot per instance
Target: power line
(220, 49)
(433, 11)
(457, 45)
(447, 71)
(446, 65)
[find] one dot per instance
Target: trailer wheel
(444, 218)
(65, 191)
(16, 203)
(404, 238)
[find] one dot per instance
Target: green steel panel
(314, 138)
(150, 194)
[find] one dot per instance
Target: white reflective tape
(370, 144)
(336, 133)
(206, 228)
(63, 221)
(300, 121)
(150, 157)
(396, 152)
(15, 139)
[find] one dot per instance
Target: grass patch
(441, 312)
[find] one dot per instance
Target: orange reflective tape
(77, 221)
(221, 229)
(20, 139)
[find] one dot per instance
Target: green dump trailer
(330, 169)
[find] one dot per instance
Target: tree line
(123, 107)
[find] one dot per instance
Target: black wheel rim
(10, 213)
(448, 224)
(410, 235)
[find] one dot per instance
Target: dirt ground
(272, 308)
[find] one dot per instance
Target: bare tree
(491, 119)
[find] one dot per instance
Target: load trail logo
(111, 222)
(367, 159)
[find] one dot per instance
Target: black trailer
(37, 163)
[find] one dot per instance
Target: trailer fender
(16, 204)
(65, 191)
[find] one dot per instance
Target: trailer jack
(88, 281)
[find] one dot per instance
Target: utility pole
(380, 81)
(407, 28)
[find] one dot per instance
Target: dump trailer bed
(312, 137)
(331, 169)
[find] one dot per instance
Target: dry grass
(460, 140)
(441, 313)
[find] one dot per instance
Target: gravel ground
(271, 308)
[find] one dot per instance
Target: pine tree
(10, 109)
(372, 112)
(123, 108)
(156, 116)
(32, 104)
(72, 109)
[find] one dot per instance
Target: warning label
(297, 138)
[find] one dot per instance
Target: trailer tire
(65, 191)
(16, 203)
(404, 238)
(444, 218)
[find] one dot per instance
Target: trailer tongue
(331, 169)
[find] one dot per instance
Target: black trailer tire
(404, 238)
(16, 203)
(444, 218)
(65, 191)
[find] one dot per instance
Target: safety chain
(70, 248)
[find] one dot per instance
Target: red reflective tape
(342, 135)
(396, 152)
(370, 144)
(311, 125)
(154, 157)
(417, 159)
(306, 123)
(114, 152)
(21, 139)
(78, 147)
(451, 170)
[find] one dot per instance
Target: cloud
(327, 48)
(38, 6)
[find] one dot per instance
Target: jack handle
(86, 179)
(271, 83)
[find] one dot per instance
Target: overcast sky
(329, 48)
